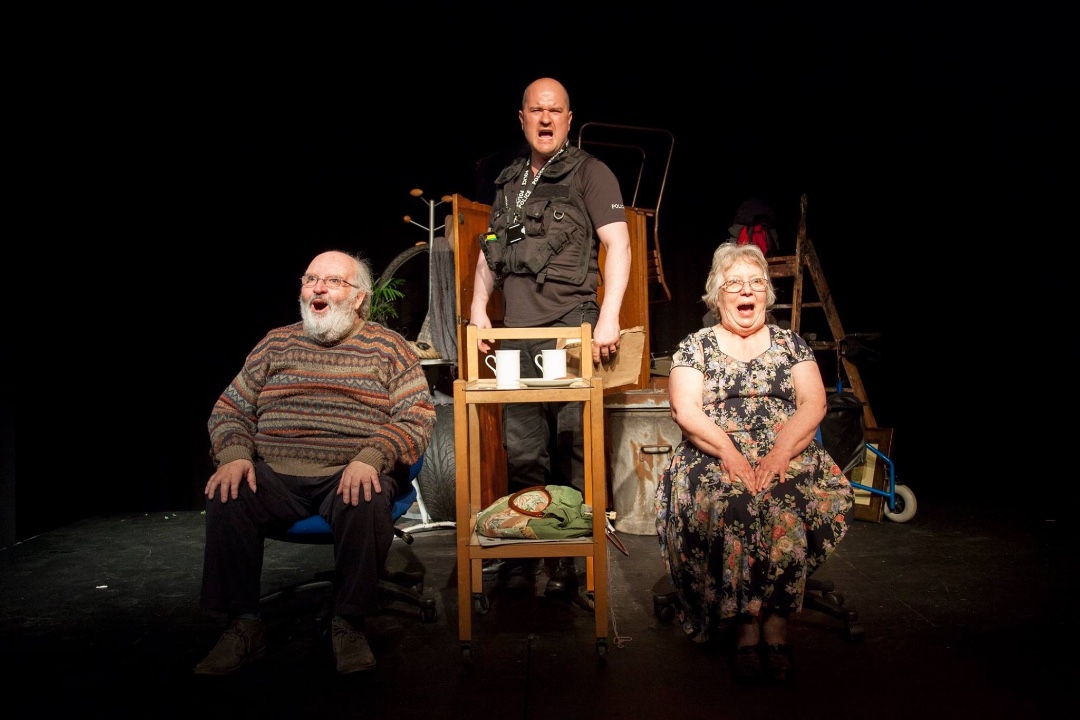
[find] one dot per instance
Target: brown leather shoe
(351, 648)
(778, 665)
(748, 663)
(242, 641)
(564, 582)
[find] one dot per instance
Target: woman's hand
(739, 470)
(770, 470)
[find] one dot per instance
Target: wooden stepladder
(796, 267)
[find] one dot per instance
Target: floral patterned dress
(730, 552)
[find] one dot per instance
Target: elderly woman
(751, 503)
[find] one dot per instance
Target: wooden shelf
(470, 395)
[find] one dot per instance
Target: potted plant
(384, 294)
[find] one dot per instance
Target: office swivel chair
(394, 587)
(821, 596)
(846, 448)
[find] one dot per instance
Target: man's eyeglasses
(758, 284)
(333, 282)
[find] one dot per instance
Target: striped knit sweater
(309, 410)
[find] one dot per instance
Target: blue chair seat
(317, 531)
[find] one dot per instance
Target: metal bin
(640, 438)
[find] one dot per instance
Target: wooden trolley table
(469, 394)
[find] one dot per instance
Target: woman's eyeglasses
(758, 284)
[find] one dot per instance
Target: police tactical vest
(557, 245)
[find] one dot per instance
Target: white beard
(333, 326)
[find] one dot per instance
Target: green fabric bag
(542, 512)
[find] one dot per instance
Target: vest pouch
(533, 254)
(535, 214)
(494, 253)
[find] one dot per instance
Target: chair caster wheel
(664, 606)
(428, 612)
(853, 632)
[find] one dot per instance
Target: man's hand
(358, 479)
(481, 321)
(226, 479)
(615, 237)
(606, 340)
(483, 285)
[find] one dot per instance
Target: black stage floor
(965, 611)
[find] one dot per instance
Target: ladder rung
(787, 306)
(782, 266)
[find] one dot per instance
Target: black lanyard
(527, 187)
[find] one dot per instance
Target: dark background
(185, 172)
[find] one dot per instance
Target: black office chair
(821, 595)
(399, 586)
(846, 435)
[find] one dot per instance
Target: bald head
(549, 86)
(335, 262)
(545, 119)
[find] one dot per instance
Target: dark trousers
(543, 441)
(236, 533)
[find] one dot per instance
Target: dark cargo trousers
(544, 441)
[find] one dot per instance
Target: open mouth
(318, 305)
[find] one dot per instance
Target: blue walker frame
(898, 512)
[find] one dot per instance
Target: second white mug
(552, 363)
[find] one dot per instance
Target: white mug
(552, 363)
(507, 368)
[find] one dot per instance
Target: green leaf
(384, 294)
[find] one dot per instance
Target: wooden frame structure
(472, 394)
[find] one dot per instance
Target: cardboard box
(624, 369)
